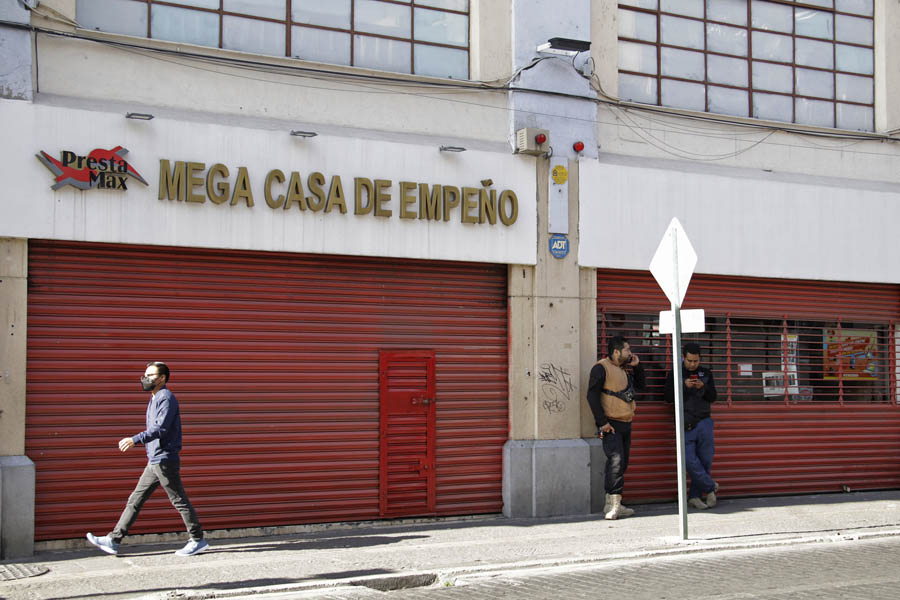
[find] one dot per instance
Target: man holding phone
(699, 392)
(611, 397)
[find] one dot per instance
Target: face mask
(148, 383)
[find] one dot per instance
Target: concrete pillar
(15, 53)
(16, 507)
(546, 463)
(16, 470)
(887, 78)
(605, 45)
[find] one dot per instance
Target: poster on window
(774, 384)
(851, 353)
(790, 344)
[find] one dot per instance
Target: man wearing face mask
(162, 441)
(611, 396)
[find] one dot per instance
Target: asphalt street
(850, 570)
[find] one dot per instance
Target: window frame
(352, 31)
(750, 90)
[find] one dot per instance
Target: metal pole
(677, 384)
(679, 421)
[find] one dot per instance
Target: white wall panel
(31, 209)
(741, 222)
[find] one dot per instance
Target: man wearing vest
(611, 397)
(699, 392)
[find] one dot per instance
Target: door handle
(420, 400)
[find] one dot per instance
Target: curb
(463, 575)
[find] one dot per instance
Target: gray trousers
(168, 475)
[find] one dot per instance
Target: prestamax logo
(103, 169)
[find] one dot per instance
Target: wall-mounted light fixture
(452, 149)
(139, 116)
(303, 134)
(564, 46)
(578, 147)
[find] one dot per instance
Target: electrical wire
(686, 154)
(385, 84)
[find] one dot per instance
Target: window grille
(823, 361)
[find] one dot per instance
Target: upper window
(424, 37)
(809, 62)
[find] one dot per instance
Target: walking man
(611, 396)
(699, 392)
(162, 441)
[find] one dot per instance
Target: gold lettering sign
(194, 183)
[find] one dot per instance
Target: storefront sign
(315, 192)
(559, 245)
(103, 169)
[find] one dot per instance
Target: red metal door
(406, 387)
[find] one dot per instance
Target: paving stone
(845, 570)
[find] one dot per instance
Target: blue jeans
(699, 448)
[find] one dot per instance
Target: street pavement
(860, 569)
(740, 540)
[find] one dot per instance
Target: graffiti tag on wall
(556, 387)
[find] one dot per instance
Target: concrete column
(15, 53)
(605, 45)
(547, 464)
(16, 470)
(887, 78)
(489, 39)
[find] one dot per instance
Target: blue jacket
(162, 439)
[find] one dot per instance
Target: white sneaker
(104, 543)
(193, 547)
(711, 499)
(698, 504)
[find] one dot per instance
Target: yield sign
(674, 262)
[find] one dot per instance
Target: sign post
(672, 267)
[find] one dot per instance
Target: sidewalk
(389, 555)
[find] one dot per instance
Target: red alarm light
(540, 138)
(578, 146)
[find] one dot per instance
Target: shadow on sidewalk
(233, 585)
(289, 543)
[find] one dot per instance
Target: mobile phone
(694, 376)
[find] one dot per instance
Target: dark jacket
(696, 402)
(162, 439)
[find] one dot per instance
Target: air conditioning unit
(531, 140)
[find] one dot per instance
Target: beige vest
(616, 381)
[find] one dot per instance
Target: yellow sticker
(560, 174)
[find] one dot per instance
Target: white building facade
(380, 295)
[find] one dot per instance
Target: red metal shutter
(762, 447)
(274, 360)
